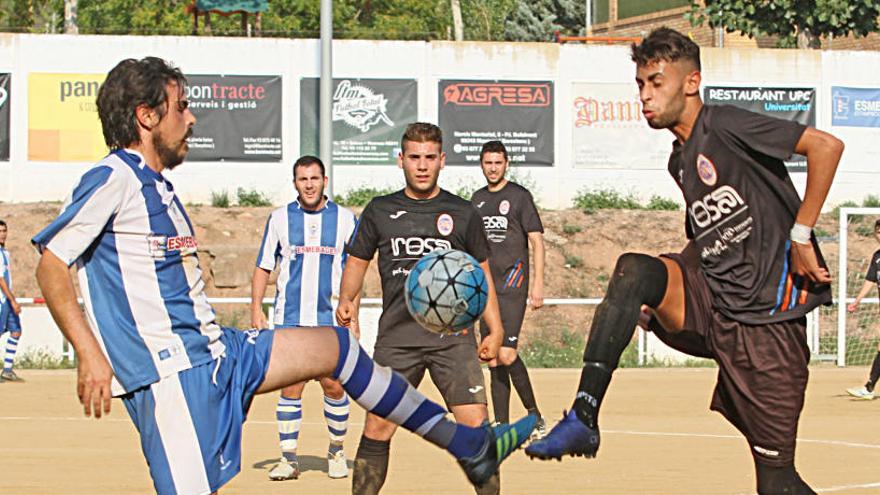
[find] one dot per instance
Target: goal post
(854, 335)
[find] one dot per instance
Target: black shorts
(513, 309)
(762, 369)
(455, 369)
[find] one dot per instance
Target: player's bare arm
(350, 290)
(823, 153)
(259, 281)
(489, 346)
(93, 370)
(536, 292)
(10, 296)
(863, 292)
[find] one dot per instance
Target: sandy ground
(658, 438)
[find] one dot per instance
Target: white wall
(24, 180)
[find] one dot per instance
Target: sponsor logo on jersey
(715, 206)
(480, 204)
(504, 207)
(504, 94)
(395, 216)
(332, 250)
(495, 222)
(161, 245)
(417, 246)
(706, 170)
(359, 107)
(400, 271)
(445, 224)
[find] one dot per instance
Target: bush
(659, 203)
(220, 199)
(40, 359)
(571, 229)
(567, 352)
(572, 261)
(604, 199)
(362, 195)
(252, 197)
(871, 201)
(845, 204)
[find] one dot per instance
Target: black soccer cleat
(569, 437)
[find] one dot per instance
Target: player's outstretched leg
(387, 394)
(638, 279)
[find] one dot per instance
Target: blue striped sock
(387, 394)
(336, 414)
(11, 347)
(288, 413)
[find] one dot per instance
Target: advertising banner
(4, 115)
(797, 104)
(63, 123)
(609, 131)
(368, 115)
(518, 113)
(855, 107)
(238, 118)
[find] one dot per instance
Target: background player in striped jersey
(871, 281)
(9, 310)
(150, 337)
(512, 223)
(306, 241)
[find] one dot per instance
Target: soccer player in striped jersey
(9, 311)
(305, 240)
(148, 334)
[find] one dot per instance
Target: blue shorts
(190, 423)
(9, 321)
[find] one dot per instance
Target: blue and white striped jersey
(309, 247)
(5, 272)
(135, 252)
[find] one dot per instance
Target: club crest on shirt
(504, 207)
(706, 170)
(445, 224)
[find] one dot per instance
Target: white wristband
(800, 233)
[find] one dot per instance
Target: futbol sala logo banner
(518, 113)
(239, 118)
(4, 116)
(368, 116)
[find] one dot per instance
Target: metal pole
(588, 19)
(325, 127)
(841, 287)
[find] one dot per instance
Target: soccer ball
(446, 291)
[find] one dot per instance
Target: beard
(171, 154)
(314, 204)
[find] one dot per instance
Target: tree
(799, 23)
(538, 20)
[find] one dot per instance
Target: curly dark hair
(668, 45)
(128, 85)
(421, 132)
(493, 147)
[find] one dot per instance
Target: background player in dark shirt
(403, 226)
(871, 281)
(739, 291)
(512, 222)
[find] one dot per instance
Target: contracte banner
(369, 117)
(238, 118)
(63, 123)
(855, 107)
(609, 131)
(519, 113)
(4, 116)
(797, 104)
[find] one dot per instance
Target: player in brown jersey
(739, 290)
(871, 280)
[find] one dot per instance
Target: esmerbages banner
(518, 113)
(4, 115)
(238, 118)
(368, 116)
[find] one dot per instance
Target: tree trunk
(258, 24)
(70, 25)
(806, 39)
(208, 29)
(195, 29)
(458, 26)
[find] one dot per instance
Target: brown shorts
(762, 369)
(454, 369)
(512, 307)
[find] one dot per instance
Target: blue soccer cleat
(501, 441)
(569, 437)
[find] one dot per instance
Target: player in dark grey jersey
(512, 222)
(403, 226)
(739, 291)
(871, 281)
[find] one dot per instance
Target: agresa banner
(238, 118)
(609, 131)
(369, 117)
(518, 113)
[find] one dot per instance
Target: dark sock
(519, 375)
(370, 466)
(500, 379)
(637, 279)
(875, 373)
(785, 480)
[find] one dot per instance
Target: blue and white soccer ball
(446, 291)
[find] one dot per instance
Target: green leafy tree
(798, 23)
(539, 20)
